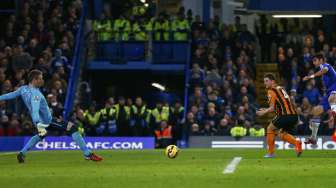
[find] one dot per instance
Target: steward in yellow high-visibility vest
(238, 130)
(103, 28)
(91, 118)
(161, 28)
(139, 31)
(140, 116)
(121, 29)
(107, 123)
(160, 113)
(257, 131)
(180, 28)
(177, 111)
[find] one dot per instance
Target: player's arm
(271, 99)
(321, 72)
(11, 95)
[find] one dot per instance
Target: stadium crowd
(222, 73)
(222, 100)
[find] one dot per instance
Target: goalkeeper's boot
(269, 155)
(94, 157)
(310, 140)
(298, 148)
(20, 157)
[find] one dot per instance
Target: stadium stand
(222, 72)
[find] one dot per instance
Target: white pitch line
(231, 167)
(15, 152)
(8, 153)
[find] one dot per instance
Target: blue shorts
(325, 102)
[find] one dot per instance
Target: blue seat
(133, 51)
(180, 52)
(107, 50)
(162, 52)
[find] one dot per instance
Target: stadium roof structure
(292, 7)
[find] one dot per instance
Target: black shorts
(286, 123)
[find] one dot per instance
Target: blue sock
(31, 143)
(80, 141)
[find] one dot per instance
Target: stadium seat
(180, 52)
(132, 51)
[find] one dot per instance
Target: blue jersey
(329, 78)
(34, 101)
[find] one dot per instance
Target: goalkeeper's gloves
(41, 129)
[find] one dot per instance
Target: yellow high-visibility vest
(161, 116)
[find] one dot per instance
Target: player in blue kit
(42, 118)
(328, 104)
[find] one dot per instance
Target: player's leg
(72, 130)
(42, 132)
(285, 136)
(314, 124)
(286, 125)
(332, 102)
(271, 134)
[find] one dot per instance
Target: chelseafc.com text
(92, 145)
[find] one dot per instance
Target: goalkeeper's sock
(77, 137)
(31, 143)
(288, 138)
(271, 142)
(314, 126)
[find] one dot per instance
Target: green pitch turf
(150, 168)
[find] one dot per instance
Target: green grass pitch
(150, 168)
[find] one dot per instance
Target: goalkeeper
(41, 116)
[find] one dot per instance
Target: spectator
(55, 106)
(122, 117)
(311, 93)
(198, 114)
(284, 68)
(224, 127)
(198, 98)
(60, 61)
(189, 123)
(21, 59)
(197, 75)
(13, 126)
(209, 129)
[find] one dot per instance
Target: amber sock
(271, 142)
(288, 138)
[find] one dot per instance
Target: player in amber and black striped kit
(286, 117)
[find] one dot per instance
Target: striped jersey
(280, 100)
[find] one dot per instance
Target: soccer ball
(171, 151)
